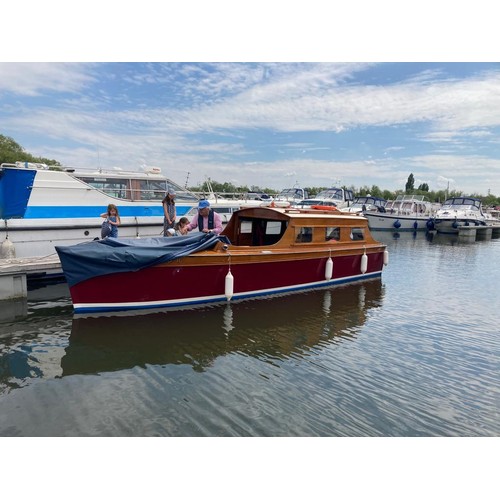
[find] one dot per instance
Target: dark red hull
(191, 281)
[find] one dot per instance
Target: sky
(222, 114)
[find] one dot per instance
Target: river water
(416, 353)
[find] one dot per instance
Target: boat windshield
(333, 193)
(368, 200)
(462, 203)
(292, 193)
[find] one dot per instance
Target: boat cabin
(409, 205)
(134, 187)
(285, 228)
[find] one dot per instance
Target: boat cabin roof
(461, 200)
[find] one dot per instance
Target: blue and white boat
(41, 208)
(404, 214)
(459, 211)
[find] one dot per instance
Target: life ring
(324, 207)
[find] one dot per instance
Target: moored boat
(261, 251)
(42, 208)
(337, 197)
(405, 213)
(362, 204)
(492, 217)
(290, 196)
(459, 211)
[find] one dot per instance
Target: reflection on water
(274, 327)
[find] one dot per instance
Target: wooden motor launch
(261, 251)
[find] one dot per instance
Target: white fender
(329, 269)
(7, 249)
(364, 263)
(229, 286)
(386, 258)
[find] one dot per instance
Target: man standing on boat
(207, 220)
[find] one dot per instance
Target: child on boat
(180, 228)
(110, 225)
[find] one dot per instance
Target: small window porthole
(86, 233)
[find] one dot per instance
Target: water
(414, 354)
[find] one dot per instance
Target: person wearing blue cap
(207, 220)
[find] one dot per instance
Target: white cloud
(32, 79)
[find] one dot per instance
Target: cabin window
(332, 233)
(152, 190)
(303, 234)
(260, 232)
(246, 227)
(357, 233)
(274, 227)
(118, 188)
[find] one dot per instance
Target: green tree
(424, 187)
(11, 151)
(410, 184)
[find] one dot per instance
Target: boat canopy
(113, 255)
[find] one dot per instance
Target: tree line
(11, 151)
(423, 189)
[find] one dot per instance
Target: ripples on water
(413, 354)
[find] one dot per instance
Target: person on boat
(207, 220)
(169, 211)
(180, 228)
(110, 225)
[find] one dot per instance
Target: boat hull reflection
(276, 327)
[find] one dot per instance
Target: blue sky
(267, 124)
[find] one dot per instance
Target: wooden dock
(15, 274)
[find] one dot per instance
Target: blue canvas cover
(114, 255)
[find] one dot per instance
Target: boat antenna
(187, 179)
(98, 157)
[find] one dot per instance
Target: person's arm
(193, 224)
